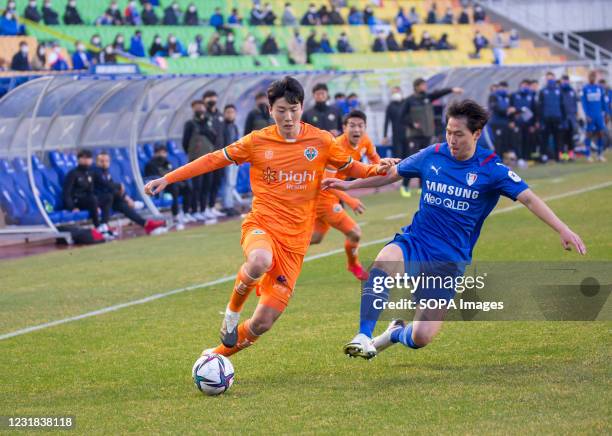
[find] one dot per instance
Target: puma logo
(436, 169)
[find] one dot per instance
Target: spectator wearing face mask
(249, 47)
(380, 44)
(297, 49)
(119, 43)
(156, 49)
(31, 12)
(259, 117)
(257, 15)
(214, 45)
(57, 60)
(113, 11)
(81, 59)
(427, 42)
(355, 18)
(288, 18)
(21, 61)
(234, 19)
(132, 15)
(9, 25)
(312, 45)
(192, 18)
(107, 56)
(172, 15)
(174, 48)
(50, 17)
(39, 61)
(269, 46)
(104, 20)
(270, 16)
(196, 48)
(149, 18)
(335, 18)
(368, 16)
(95, 42)
(137, 46)
(392, 44)
(71, 15)
(325, 44)
(343, 45)
(311, 17)
(409, 44)
(393, 119)
(230, 47)
(479, 14)
(322, 115)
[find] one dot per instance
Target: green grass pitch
(129, 371)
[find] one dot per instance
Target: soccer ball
(213, 374)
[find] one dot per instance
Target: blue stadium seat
(179, 155)
(149, 150)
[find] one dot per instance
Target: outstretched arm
(372, 182)
(540, 209)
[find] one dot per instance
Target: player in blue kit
(594, 102)
(461, 185)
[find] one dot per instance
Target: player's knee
(259, 262)
(261, 324)
(422, 337)
(354, 235)
(316, 238)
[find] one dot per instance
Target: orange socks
(246, 338)
(242, 288)
(351, 249)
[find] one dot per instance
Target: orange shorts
(333, 215)
(276, 286)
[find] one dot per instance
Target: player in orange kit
(288, 160)
(330, 212)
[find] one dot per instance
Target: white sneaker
(199, 216)
(180, 227)
(217, 213)
(209, 215)
(188, 218)
(383, 341)
(601, 158)
(229, 330)
(360, 346)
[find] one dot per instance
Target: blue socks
(405, 337)
(368, 315)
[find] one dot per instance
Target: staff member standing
(321, 115)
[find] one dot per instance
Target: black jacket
(49, 16)
(269, 47)
(157, 167)
(257, 119)
(393, 118)
(230, 133)
(104, 183)
(117, 18)
(324, 117)
(32, 14)
(419, 108)
(149, 18)
(20, 62)
(72, 16)
(170, 17)
(79, 183)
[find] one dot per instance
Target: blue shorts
(596, 125)
(434, 273)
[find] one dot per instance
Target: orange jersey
(285, 178)
(365, 147)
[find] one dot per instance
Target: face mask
(113, 7)
(9, 16)
(172, 40)
(192, 9)
(230, 39)
(551, 82)
(502, 92)
(25, 49)
(119, 40)
(263, 108)
(251, 38)
(313, 10)
(354, 103)
(157, 40)
(109, 50)
(199, 114)
(320, 105)
(73, 4)
(210, 105)
(33, 4)
(525, 89)
(95, 41)
(396, 96)
(175, 7)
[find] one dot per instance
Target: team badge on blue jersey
(471, 178)
(311, 153)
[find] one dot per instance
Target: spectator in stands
(270, 16)
(380, 45)
(115, 13)
(132, 14)
(340, 101)
(249, 46)
(427, 42)
(368, 16)
(31, 12)
(50, 17)
(174, 48)
(551, 114)
(393, 115)
(71, 15)
(432, 14)
(156, 49)
(149, 18)
(104, 20)
(325, 44)
(322, 114)
(196, 48)
(335, 18)
(343, 45)
(480, 42)
(401, 21)
(172, 15)
(230, 45)
(323, 15)
(95, 42)
(214, 47)
(159, 166)
(288, 18)
(9, 26)
(513, 39)
(297, 49)
(479, 15)
(312, 45)
(464, 18)
(352, 103)
(3, 65)
(217, 20)
(234, 19)
(259, 117)
(413, 17)
(231, 134)
(119, 43)
(107, 56)
(569, 125)
(525, 118)
(81, 59)
(498, 47)
(78, 192)
(269, 46)
(443, 43)
(110, 194)
(11, 6)
(257, 15)
(502, 114)
(21, 61)
(311, 17)
(392, 44)
(409, 43)
(355, 18)
(191, 17)
(448, 16)
(39, 61)
(137, 47)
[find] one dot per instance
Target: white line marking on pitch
(230, 278)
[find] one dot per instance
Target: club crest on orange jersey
(311, 153)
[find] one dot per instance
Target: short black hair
(320, 87)
(84, 153)
(339, 95)
(196, 102)
(260, 94)
(209, 93)
(159, 147)
(565, 77)
(288, 88)
(418, 82)
(503, 83)
(476, 116)
(355, 114)
(229, 106)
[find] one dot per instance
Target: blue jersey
(593, 101)
(456, 198)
